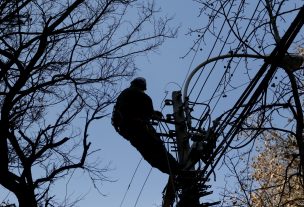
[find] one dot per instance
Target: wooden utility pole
(182, 139)
(189, 190)
(188, 187)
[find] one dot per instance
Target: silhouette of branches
(61, 62)
(252, 97)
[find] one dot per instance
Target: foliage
(276, 171)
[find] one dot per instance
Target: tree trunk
(26, 197)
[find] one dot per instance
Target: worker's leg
(153, 150)
(169, 194)
(173, 164)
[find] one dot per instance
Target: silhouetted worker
(131, 118)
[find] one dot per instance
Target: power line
(212, 69)
(123, 199)
(213, 47)
(278, 52)
(253, 91)
(219, 96)
(191, 63)
(143, 187)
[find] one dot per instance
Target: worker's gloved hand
(157, 115)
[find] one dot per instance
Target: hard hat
(140, 83)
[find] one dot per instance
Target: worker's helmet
(139, 83)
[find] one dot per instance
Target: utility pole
(182, 139)
(189, 195)
(189, 186)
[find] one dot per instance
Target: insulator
(168, 102)
(173, 148)
(172, 133)
(169, 117)
(154, 122)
